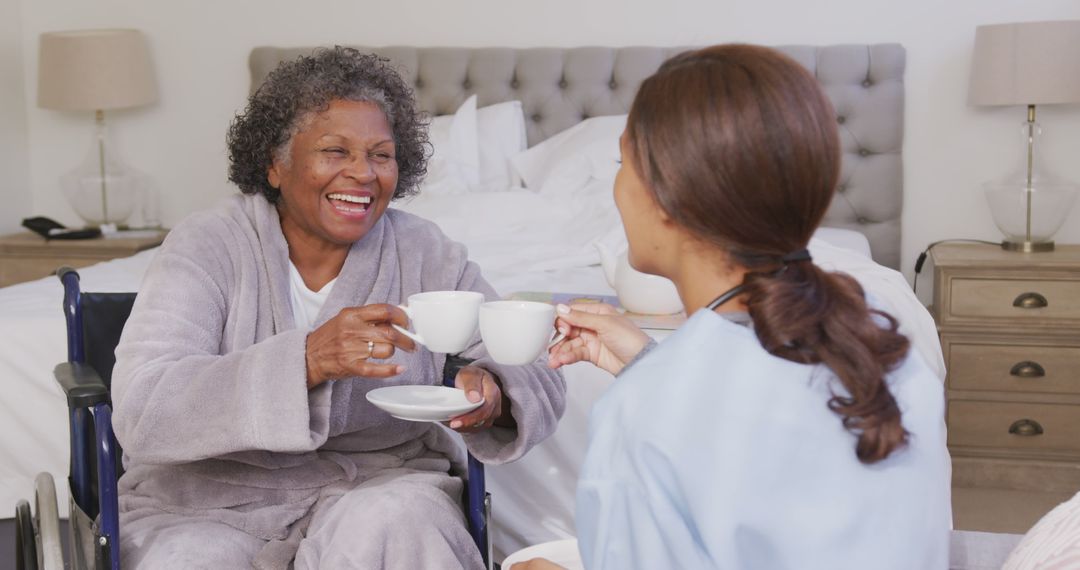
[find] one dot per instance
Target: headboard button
(563, 84)
(466, 84)
(841, 119)
(867, 83)
(536, 117)
(419, 83)
(864, 152)
(612, 84)
(514, 84)
(862, 220)
(841, 189)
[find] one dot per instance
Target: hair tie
(798, 255)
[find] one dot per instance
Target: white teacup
(516, 332)
(445, 321)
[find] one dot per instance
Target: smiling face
(339, 178)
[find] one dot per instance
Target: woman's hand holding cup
(596, 333)
(343, 346)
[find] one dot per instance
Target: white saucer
(562, 552)
(422, 403)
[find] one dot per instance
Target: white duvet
(523, 241)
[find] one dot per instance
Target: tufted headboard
(559, 87)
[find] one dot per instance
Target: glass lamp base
(1027, 246)
(103, 190)
(98, 204)
(1030, 205)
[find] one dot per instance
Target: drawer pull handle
(1028, 369)
(1026, 428)
(1030, 301)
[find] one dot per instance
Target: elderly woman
(240, 378)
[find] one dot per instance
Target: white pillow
(454, 166)
(569, 159)
(501, 134)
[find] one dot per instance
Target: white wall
(201, 48)
(16, 193)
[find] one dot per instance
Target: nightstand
(26, 256)
(1010, 332)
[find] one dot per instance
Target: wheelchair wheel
(25, 544)
(50, 550)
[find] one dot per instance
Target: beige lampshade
(87, 70)
(1029, 63)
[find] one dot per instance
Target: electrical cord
(922, 256)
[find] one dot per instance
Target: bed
(531, 219)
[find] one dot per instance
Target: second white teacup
(516, 332)
(445, 321)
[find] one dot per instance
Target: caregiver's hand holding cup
(516, 332)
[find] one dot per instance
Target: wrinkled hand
(479, 383)
(537, 564)
(596, 333)
(343, 346)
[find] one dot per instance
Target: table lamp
(97, 70)
(1030, 64)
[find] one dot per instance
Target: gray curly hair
(300, 88)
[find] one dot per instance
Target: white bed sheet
(523, 241)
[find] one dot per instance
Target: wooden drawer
(1019, 300)
(1008, 367)
(974, 423)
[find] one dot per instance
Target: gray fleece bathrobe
(232, 462)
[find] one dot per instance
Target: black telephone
(52, 229)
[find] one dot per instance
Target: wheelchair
(94, 323)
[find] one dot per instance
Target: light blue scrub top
(709, 452)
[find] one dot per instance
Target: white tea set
(514, 332)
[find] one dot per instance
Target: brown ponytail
(740, 147)
(808, 315)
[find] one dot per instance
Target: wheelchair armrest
(81, 383)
